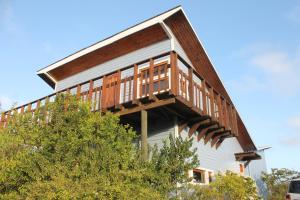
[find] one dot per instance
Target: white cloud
(272, 68)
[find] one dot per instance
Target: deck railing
(164, 74)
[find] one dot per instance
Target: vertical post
(235, 123)
(151, 70)
(174, 73)
(191, 87)
(144, 143)
(203, 88)
(135, 83)
(103, 99)
(2, 120)
(118, 89)
(78, 91)
(226, 115)
(212, 103)
(91, 87)
(220, 110)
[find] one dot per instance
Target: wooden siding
(138, 40)
(115, 64)
(221, 159)
(194, 50)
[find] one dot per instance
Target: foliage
(172, 162)
(65, 151)
(277, 182)
(229, 186)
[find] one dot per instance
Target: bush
(229, 186)
(72, 153)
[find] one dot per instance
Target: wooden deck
(164, 81)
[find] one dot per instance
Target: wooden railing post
(2, 120)
(118, 90)
(103, 105)
(78, 92)
(135, 84)
(235, 122)
(203, 89)
(212, 103)
(191, 87)
(220, 110)
(174, 73)
(151, 70)
(91, 88)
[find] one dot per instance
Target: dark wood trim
(158, 103)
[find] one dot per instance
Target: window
(210, 177)
(198, 176)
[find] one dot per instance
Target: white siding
(255, 169)
(115, 64)
(219, 160)
(159, 131)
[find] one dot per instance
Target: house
(158, 77)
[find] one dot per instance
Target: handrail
(146, 83)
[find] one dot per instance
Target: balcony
(163, 81)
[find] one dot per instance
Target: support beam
(204, 131)
(196, 126)
(210, 134)
(219, 143)
(216, 138)
(147, 106)
(182, 126)
(144, 134)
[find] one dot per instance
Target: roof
(140, 26)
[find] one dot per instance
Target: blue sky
(254, 45)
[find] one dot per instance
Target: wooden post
(203, 88)
(220, 110)
(174, 73)
(191, 87)
(212, 103)
(135, 83)
(103, 103)
(78, 91)
(226, 117)
(2, 120)
(118, 89)
(144, 134)
(151, 70)
(91, 87)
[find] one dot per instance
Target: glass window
(198, 176)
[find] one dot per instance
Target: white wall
(115, 64)
(221, 159)
(255, 169)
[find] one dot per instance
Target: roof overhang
(69, 65)
(247, 156)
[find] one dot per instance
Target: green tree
(277, 182)
(229, 186)
(65, 151)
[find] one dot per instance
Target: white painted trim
(170, 35)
